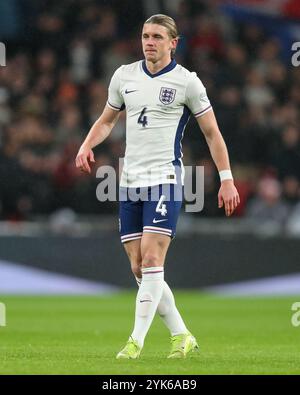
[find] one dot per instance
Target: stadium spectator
(268, 206)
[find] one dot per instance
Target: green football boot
(131, 351)
(181, 345)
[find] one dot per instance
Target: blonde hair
(168, 23)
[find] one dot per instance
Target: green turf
(81, 335)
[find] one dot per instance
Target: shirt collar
(166, 69)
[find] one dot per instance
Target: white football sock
(148, 297)
(168, 311)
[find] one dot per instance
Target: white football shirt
(158, 107)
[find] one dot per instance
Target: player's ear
(174, 43)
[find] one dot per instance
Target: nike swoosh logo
(126, 91)
(155, 221)
(141, 301)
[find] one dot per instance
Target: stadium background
(57, 238)
(60, 58)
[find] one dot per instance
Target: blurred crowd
(55, 86)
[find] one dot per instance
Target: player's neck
(158, 66)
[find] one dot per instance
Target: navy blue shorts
(149, 210)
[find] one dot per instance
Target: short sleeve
(115, 99)
(196, 97)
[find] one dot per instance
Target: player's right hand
(83, 157)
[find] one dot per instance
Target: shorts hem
(156, 229)
(131, 236)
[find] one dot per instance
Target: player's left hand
(228, 196)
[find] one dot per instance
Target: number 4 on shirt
(143, 118)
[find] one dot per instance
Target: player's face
(157, 44)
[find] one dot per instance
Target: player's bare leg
(154, 248)
(133, 250)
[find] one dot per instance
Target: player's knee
(151, 259)
(134, 256)
(136, 269)
(136, 263)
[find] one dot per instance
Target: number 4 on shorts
(161, 207)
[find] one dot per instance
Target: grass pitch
(81, 335)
